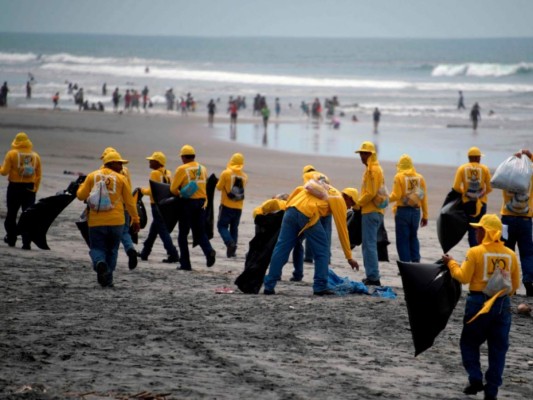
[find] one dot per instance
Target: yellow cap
(489, 222)
(367, 147)
(187, 150)
(474, 152)
(159, 157)
(308, 168)
(107, 150)
(352, 193)
(237, 159)
(113, 156)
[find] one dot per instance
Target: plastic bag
(190, 188)
(237, 190)
(381, 199)
(513, 175)
(99, 199)
(500, 279)
(318, 188)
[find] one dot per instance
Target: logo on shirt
(493, 261)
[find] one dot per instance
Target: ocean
(414, 82)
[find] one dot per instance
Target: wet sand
(164, 331)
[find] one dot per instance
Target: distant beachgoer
(127, 100)
(170, 97)
(4, 90)
(78, 99)
(55, 99)
(147, 70)
(265, 112)
(277, 107)
(211, 109)
(233, 110)
(104, 89)
(116, 99)
(461, 102)
(354, 118)
(28, 90)
(376, 117)
(144, 93)
(475, 115)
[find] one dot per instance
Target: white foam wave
(15, 58)
(482, 70)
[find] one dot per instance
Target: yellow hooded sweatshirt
(186, 173)
(270, 206)
(373, 179)
(409, 187)
(314, 208)
(227, 178)
(471, 180)
(21, 163)
(161, 175)
(119, 193)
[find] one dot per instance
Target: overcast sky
(300, 18)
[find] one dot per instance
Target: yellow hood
(236, 162)
(21, 141)
(405, 165)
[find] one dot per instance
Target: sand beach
(161, 333)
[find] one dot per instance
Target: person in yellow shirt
(472, 180)
(302, 217)
(410, 194)
(493, 326)
(517, 212)
(231, 185)
(372, 214)
(22, 166)
(106, 223)
(157, 162)
(126, 239)
(193, 208)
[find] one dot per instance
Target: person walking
(472, 180)
(301, 217)
(231, 184)
(376, 116)
(157, 162)
(22, 166)
(461, 101)
(189, 175)
(410, 195)
(517, 214)
(483, 322)
(475, 115)
(107, 205)
(371, 201)
(4, 90)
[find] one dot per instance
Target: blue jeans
(292, 224)
(299, 254)
(492, 327)
(158, 227)
(407, 220)
(472, 241)
(192, 217)
(104, 242)
(126, 237)
(519, 232)
(370, 223)
(228, 224)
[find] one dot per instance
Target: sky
(279, 18)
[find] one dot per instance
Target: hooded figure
(486, 319)
(410, 196)
(22, 165)
(231, 184)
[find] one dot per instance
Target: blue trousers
(192, 217)
(472, 241)
(519, 233)
(126, 240)
(370, 224)
(407, 220)
(228, 224)
(299, 254)
(293, 222)
(104, 242)
(493, 328)
(158, 227)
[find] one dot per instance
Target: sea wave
(482, 69)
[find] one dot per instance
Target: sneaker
(142, 256)
(171, 260)
(184, 268)
(529, 288)
(474, 387)
(370, 282)
(269, 292)
(293, 279)
(211, 258)
(231, 250)
(132, 258)
(10, 242)
(325, 292)
(489, 397)
(101, 273)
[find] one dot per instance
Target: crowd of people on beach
(113, 217)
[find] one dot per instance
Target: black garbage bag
(169, 206)
(210, 214)
(260, 252)
(353, 221)
(383, 242)
(452, 223)
(37, 219)
(431, 295)
(141, 210)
